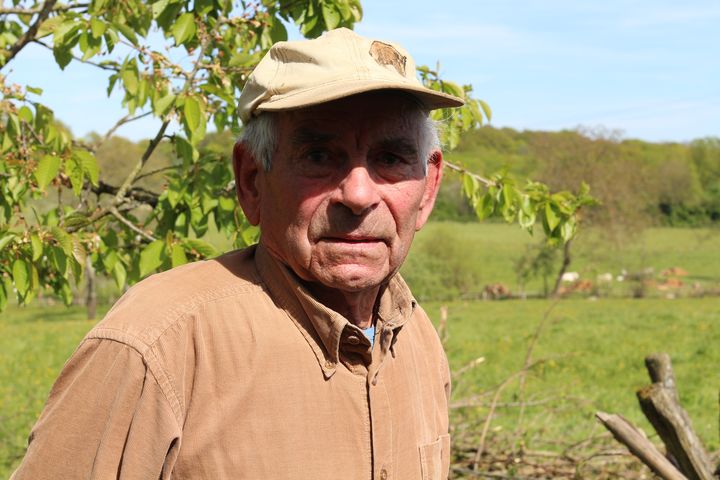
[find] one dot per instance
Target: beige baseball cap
(338, 64)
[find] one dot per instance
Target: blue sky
(650, 69)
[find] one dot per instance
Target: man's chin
(352, 278)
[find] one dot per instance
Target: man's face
(346, 191)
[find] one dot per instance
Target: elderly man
(305, 356)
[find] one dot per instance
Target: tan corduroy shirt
(229, 369)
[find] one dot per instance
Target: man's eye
(318, 156)
(388, 159)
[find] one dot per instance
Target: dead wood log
(661, 405)
(627, 434)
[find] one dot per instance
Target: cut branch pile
(685, 457)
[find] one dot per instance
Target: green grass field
(591, 355)
(590, 351)
(451, 260)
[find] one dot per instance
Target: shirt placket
(380, 409)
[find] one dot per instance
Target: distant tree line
(638, 183)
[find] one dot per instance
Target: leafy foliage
(123, 228)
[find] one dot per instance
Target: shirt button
(353, 340)
(329, 364)
(383, 474)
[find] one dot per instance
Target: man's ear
(432, 185)
(246, 182)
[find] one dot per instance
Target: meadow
(587, 356)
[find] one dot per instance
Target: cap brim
(318, 94)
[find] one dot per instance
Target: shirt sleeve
(106, 417)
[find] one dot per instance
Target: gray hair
(260, 136)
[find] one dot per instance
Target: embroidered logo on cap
(385, 54)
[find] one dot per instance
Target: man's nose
(358, 191)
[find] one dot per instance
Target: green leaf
(3, 297)
(47, 169)
(111, 39)
(127, 32)
(63, 56)
(227, 204)
(21, 276)
(7, 142)
(37, 247)
(167, 15)
(97, 5)
(35, 90)
(249, 234)
(130, 79)
(178, 256)
(58, 259)
(49, 26)
(152, 257)
(63, 239)
(486, 109)
(63, 32)
(74, 171)
(120, 274)
(89, 46)
(567, 230)
(194, 119)
(109, 259)
(202, 7)
(201, 247)
(163, 104)
(470, 185)
(174, 193)
(158, 7)
(278, 33)
(89, 165)
(241, 59)
(551, 217)
(76, 219)
(66, 294)
(192, 113)
(184, 28)
(25, 114)
(97, 27)
(485, 206)
(78, 252)
(185, 150)
(6, 239)
(330, 15)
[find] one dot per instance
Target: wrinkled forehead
(384, 112)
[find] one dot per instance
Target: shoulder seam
(146, 349)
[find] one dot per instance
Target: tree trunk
(563, 268)
(91, 294)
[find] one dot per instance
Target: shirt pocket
(435, 459)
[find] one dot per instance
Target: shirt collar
(321, 326)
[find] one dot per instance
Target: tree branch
(30, 33)
(33, 11)
(158, 170)
(79, 59)
(138, 194)
(115, 213)
(132, 176)
(485, 181)
(126, 119)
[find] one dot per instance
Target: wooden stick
(627, 434)
(671, 422)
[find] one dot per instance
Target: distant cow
(605, 278)
(496, 291)
(570, 277)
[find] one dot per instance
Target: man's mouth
(353, 239)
